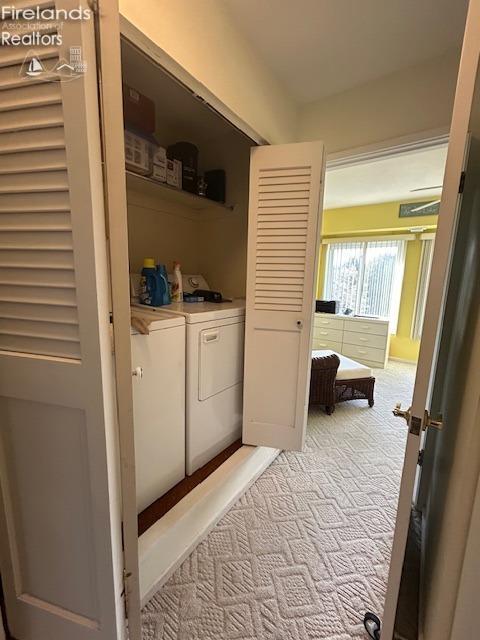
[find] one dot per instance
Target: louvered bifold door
(286, 191)
(60, 542)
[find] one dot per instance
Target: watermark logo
(41, 28)
(56, 70)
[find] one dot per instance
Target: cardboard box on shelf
(138, 110)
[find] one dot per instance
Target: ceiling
(318, 48)
(387, 179)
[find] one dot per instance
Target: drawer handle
(364, 339)
(323, 333)
(211, 336)
(361, 351)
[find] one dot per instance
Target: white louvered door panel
(286, 192)
(60, 542)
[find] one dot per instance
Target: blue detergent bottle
(149, 290)
(162, 284)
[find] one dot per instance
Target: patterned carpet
(304, 553)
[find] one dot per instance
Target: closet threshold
(154, 188)
(160, 507)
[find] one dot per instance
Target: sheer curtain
(422, 287)
(366, 277)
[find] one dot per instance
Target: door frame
(461, 114)
(393, 146)
(107, 28)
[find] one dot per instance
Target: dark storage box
(187, 153)
(327, 306)
(138, 110)
(216, 185)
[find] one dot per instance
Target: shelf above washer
(154, 188)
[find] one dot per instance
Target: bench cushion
(348, 369)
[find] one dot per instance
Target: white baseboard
(402, 360)
(166, 544)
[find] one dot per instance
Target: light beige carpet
(304, 553)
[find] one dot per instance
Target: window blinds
(366, 277)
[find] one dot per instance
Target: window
(366, 277)
(422, 287)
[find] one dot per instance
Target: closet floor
(305, 551)
(160, 507)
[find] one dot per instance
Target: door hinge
(461, 185)
(421, 456)
(126, 576)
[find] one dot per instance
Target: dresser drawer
(365, 340)
(325, 333)
(364, 326)
(364, 353)
(328, 323)
(326, 344)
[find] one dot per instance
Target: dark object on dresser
(326, 389)
(327, 306)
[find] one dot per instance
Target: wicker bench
(335, 378)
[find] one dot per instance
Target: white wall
(202, 38)
(162, 230)
(400, 104)
(223, 238)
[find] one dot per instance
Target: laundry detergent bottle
(149, 290)
(177, 284)
(162, 282)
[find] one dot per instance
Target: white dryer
(215, 334)
(158, 361)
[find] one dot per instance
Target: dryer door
(221, 358)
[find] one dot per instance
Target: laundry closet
(188, 366)
(188, 369)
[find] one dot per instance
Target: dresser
(363, 339)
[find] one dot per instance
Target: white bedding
(348, 369)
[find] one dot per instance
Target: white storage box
(137, 153)
(174, 173)
(159, 172)
(159, 156)
(159, 168)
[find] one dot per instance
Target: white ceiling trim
(405, 144)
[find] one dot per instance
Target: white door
(60, 505)
(417, 416)
(286, 194)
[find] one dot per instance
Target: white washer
(158, 361)
(214, 375)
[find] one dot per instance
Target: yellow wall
(202, 38)
(382, 219)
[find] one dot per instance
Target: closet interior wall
(209, 241)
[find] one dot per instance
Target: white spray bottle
(177, 284)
